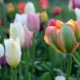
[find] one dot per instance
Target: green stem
(69, 67)
(15, 74)
(20, 72)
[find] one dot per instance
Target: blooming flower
(56, 10)
(28, 38)
(44, 4)
(33, 22)
(60, 78)
(13, 52)
(29, 7)
(55, 36)
(16, 30)
(21, 7)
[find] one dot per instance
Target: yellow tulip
(44, 16)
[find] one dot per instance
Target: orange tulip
(44, 4)
(61, 37)
(10, 7)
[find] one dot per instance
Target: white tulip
(1, 50)
(17, 30)
(13, 52)
(60, 78)
(77, 12)
(70, 5)
(21, 18)
(29, 7)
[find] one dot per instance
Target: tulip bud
(3, 60)
(16, 30)
(56, 10)
(60, 78)
(13, 52)
(33, 22)
(28, 38)
(10, 7)
(44, 16)
(29, 7)
(21, 7)
(44, 4)
(1, 50)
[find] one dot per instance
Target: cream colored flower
(16, 30)
(13, 52)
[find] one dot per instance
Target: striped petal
(67, 38)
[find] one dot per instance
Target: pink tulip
(33, 22)
(28, 38)
(77, 2)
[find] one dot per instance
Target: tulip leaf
(78, 34)
(46, 76)
(67, 38)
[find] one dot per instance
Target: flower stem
(15, 74)
(69, 57)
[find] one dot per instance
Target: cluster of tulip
(62, 37)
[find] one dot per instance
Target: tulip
(21, 18)
(44, 16)
(60, 78)
(56, 10)
(71, 5)
(44, 4)
(33, 22)
(3, 60)
(13, 52)
(61, 37)
(16, 30)
(77, 12)
(29, 7)
(21, 7)
(10, 7)
(77, 2)
(28, 38)
(1, 51)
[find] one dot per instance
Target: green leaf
(46, 76)
(67, 38)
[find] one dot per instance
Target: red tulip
(57, 10)
(0, 22)
(44, 4)
(21, 7)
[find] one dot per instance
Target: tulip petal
(51, 38)
(67, 38)
(78, 34)
(59, 24)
